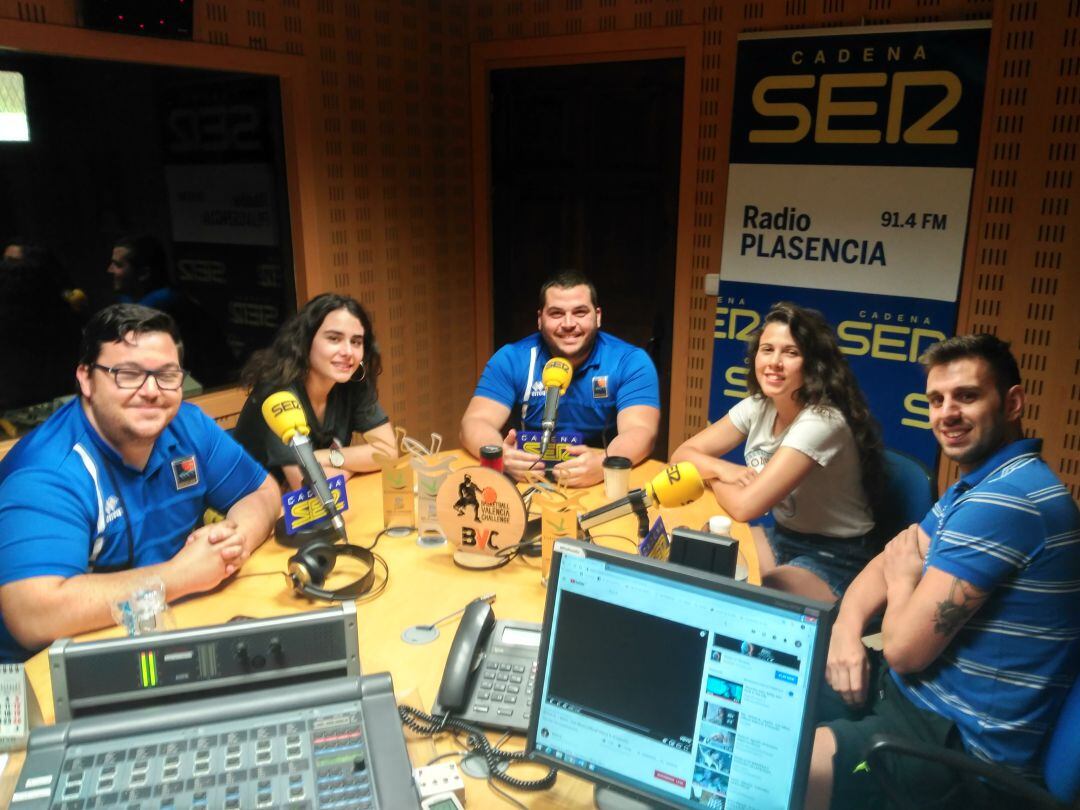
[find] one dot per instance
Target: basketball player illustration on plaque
(467, 492)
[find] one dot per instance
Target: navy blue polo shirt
(69, 505)
(616, 375)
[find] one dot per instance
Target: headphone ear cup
(312, 564)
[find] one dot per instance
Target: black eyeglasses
(168, 379)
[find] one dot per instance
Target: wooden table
(424, 584)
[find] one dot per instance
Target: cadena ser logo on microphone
(278, 408)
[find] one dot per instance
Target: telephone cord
(478, 743)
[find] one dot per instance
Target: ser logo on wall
(851, 164)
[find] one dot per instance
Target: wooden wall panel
(388, 106)
(388, 109)
(385, 118)
(1021, 279)
(1021, 267)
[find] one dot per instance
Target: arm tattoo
(963, 601)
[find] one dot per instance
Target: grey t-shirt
(830, 500)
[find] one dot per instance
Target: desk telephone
(490, 671)
(15, 708)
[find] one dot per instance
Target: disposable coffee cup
(616, 477)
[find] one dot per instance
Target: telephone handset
(465, 657)
(490, 671)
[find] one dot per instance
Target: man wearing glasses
(111, 488)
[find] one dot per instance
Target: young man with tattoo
(981, 601)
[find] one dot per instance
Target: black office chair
(1060, 768)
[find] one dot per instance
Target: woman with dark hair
(813, 456)
(326, 355)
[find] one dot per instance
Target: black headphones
(313, 562)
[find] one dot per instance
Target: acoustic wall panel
(388, 113)
(386, 116)
(1020, 271)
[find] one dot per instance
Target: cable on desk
(625, 539)
(381, 532)
(508, 553)
(376, 592)
(447, 755)
(536, 487)
(504, 795)
(478, 743)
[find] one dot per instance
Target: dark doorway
(585, 176)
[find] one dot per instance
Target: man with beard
(613, 399)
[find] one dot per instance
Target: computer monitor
(682, 688)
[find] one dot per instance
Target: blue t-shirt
(616, 375)
(1010, 528)
(69, 505)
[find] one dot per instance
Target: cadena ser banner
(852, 156)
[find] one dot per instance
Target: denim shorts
(836, 561)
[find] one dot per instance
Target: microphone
(285, 416)
(556, 378)
(676, 485)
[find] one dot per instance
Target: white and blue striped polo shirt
(1011, 528)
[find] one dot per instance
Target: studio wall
(1020, 279)
(383, 112)
(386, 108)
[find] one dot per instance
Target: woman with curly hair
(326, 355)
(813, 456)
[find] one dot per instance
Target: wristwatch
(337, 458)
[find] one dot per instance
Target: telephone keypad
(501, 695)
(504, 683)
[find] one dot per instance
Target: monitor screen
(686, 688)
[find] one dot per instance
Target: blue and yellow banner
(558, 449)
(302, 508)
(852, 159)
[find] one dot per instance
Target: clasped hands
(211, 553)
(583, 469)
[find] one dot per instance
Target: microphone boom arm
(305, 453)
(640, 501)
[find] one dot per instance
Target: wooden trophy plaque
(481, 512)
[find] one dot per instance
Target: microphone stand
(334, 516)
(641, 510)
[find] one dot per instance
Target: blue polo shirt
(69, 505)
(1011, 528)
(616, 375)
